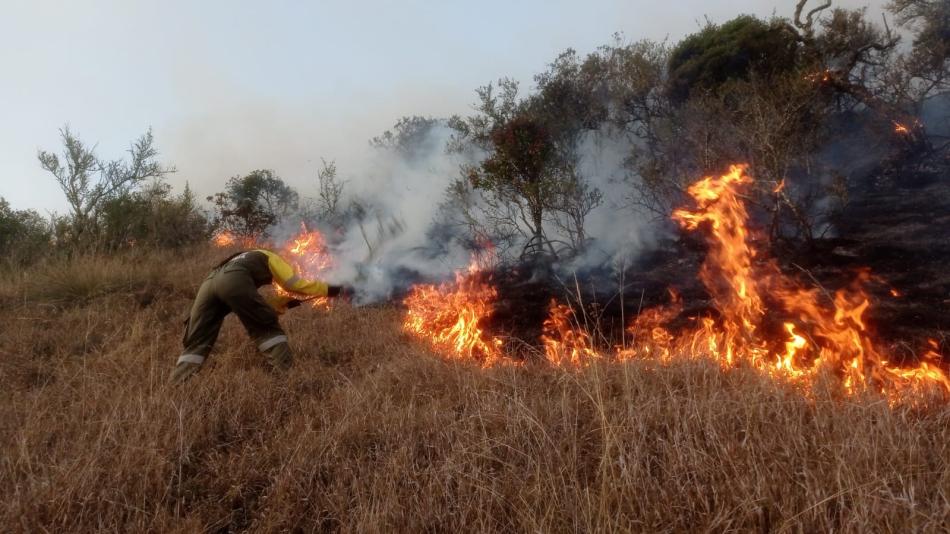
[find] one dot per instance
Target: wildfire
(819, 334)
(900, 128)
(451, 316)
(308, 254)
(564, 342)
(224, 238)
(765, 319)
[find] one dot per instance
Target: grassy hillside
(370, 432)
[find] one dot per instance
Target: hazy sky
(232, 86)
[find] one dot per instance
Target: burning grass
(450, 316)
(700, 428)
(369, 433)
(823, 339)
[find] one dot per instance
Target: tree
(330, 191)
(153, 217)
(89, 182)
(731, 51)
(526, 188)
(252, 203)
(410, 136)
(521, 173)
(863, 64)
(24, 235)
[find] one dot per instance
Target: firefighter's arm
(285, 277)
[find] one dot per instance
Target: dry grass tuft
(370, 433)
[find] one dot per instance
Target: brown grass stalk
(371, 433)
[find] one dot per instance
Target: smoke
(936, 116)
(395, 232)
(617, 230)
(402, 192)
(391, 204)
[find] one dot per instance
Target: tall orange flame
(564, 342)
(308, 254)
(766, 319)
(451, 316)
(823, 335)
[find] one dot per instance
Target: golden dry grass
(371, 433)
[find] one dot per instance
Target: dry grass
(370, 433)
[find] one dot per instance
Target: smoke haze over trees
(614, 135)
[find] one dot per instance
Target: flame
(227, 239)
(308, 254)
(900, 128)
(823, 76)
(565, 344)
(223, 239)
(765, 319)
(451, 316)
(820, 335)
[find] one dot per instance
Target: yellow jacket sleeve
(285, 277)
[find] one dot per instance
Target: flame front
(765, 319)
(820, 334)
(450, 316)
(564, 342)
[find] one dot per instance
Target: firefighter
(232, 287)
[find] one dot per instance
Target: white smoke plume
(399, 236)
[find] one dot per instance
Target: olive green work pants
(227, 289)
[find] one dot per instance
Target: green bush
(24, 235)
(152, 217)
(731, 51)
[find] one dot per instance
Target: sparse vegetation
(369, 432)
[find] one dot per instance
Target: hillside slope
(370, 432)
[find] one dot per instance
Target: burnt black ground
(899, 228)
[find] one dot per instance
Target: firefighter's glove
(340, 292)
